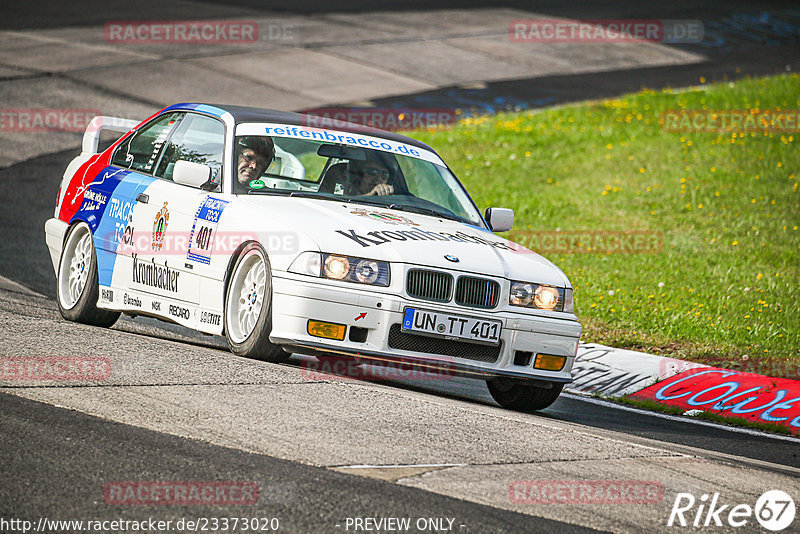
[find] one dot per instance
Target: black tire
(522, 397)
(79, 304)
(243, 340)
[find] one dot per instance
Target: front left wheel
(77, 289)
(248, 307)
(523, 397)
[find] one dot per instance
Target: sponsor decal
(774, 510)
(54, 368)
(585, 492)
(211, 493)
(129, 300)
(349, 138)
(94, 200)
(745, 395)
(379, 237)
(179, 311)
(107, 295)
(206, 220)
(388, 218)
(257, 184)
(155, 305)
(154, 275)
(160, 227)
(210, 318)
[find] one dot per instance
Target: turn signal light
(327, 330)
(548, 362)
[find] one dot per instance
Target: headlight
(540, 297)
(344, 268)
(336, 267)
(545, 298)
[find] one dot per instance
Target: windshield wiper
(312, 194)
(426, 211)
(268, 191)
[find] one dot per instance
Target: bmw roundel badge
(450, 257)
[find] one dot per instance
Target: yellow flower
(734, 243)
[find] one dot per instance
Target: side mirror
(499, 219)
(190, 173)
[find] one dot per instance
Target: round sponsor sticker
(257, 184)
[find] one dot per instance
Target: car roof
(243, 114)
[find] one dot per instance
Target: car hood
(398, 236)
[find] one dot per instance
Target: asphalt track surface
(55, 461)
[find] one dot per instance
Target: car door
(117, 190)
(162, 266)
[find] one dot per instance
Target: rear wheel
(77, 288)
(522, 397)
(248, 307)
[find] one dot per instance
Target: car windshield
(392, 177)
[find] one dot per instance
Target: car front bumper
(295, 301)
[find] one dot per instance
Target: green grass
(727, 281)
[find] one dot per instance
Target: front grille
(433, 345)
(429, 285)
(477, 292)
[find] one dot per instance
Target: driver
(254, 155)
(369, 177)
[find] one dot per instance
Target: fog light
(548, 362)
(327, 330)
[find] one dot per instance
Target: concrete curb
(695, 387)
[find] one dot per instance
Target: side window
(198, 139)
(140, 151)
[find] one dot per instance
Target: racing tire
(522, 397)
(77, 288)
(248, 307)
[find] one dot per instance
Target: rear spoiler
(91, 137)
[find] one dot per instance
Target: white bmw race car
(287, 237)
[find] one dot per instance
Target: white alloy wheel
(249, 288)
(75, 265)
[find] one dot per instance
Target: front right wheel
(248, 307)
(522, 397)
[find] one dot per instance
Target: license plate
(451, 326)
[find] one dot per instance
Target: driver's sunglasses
(375, 173)
(249, 158)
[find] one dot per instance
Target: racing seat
(336, 174)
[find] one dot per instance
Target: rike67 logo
(774, 510)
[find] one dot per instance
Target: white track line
(685, 419)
